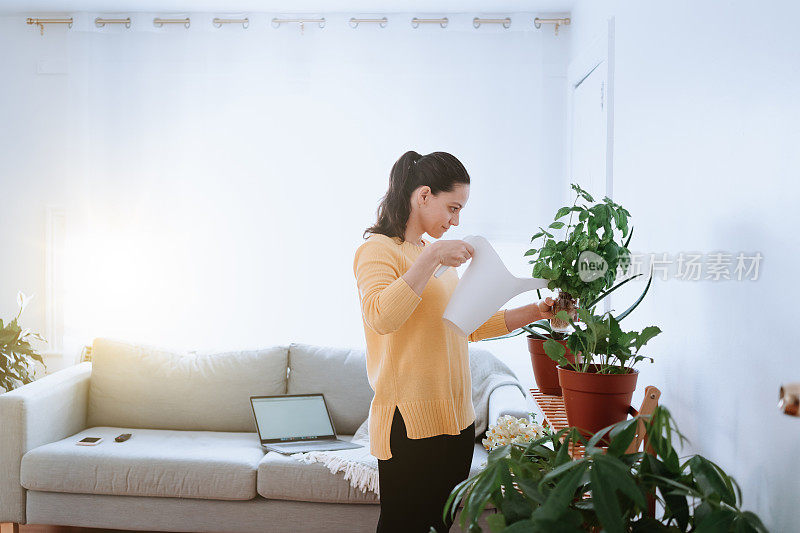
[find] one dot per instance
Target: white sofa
(194, 462)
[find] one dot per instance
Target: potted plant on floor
(538, 487)
(17, 357)
(598, 389)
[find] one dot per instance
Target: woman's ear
(424, 194)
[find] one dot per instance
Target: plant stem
(569, 224)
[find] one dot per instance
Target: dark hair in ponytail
(438, 170)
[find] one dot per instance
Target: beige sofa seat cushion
(282, 477)
(140, 386)
(177, 464)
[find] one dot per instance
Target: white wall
(706, 159)
(217, 182)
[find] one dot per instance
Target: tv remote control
(123, 437)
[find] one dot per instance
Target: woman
(422, 421)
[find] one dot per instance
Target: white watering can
(485, 286)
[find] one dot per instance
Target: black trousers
(417, 480)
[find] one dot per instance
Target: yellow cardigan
(414, 360)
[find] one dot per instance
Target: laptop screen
(291, 417)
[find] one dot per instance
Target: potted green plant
(598, 389)
(17, 366)
(538, 487)
(567, 264)
(544, 367)
(572, 263)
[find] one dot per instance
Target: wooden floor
(33, 528)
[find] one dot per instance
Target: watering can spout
(531, 284)
(483, 289)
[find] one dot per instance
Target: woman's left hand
(545, 307)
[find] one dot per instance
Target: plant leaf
(555, 351)
(609, 291)
(719, 520)
(629, 238)
(562, 494)
(604, 498)
(562, 212)
(710, 481)
(638, 301)
(622, 435)
(647, 333)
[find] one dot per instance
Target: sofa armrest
(46, 410)
(507, 400)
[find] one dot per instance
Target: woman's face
(438, 212)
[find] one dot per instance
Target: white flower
(509, 429)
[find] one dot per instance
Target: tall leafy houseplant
(593, 377)
(588, 242)
(539, 488)
(558, 260)
(17, 357)
(574, 263)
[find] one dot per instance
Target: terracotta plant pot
(594, 401)
(544, 368)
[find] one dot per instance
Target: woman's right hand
(452, 252)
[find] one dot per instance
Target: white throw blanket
(360, 467)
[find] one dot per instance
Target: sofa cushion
(282, 477)
(340, 374)
(141, 386)
(178, 464)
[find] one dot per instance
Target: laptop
(295, 423)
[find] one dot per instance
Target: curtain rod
(42, 22)
(276, 22)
